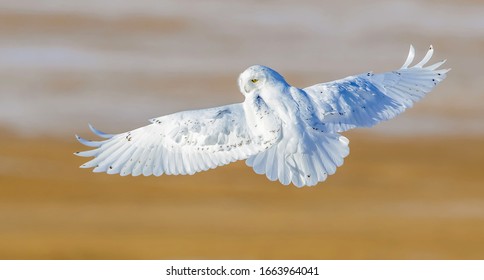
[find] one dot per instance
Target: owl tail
(317, 155)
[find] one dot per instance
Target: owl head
(257, 76)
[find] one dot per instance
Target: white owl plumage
(289, 134)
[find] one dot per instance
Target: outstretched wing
(367, 99)
(181, 143)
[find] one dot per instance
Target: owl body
(290, 134)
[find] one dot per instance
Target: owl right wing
(367, 99)
(181, 143)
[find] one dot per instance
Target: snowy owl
(288, 133)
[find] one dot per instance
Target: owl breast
(263, 123)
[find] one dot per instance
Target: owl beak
(246, 88)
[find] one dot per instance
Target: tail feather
(318, 155)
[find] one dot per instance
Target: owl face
(256, 77)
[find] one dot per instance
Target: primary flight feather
(289, 134)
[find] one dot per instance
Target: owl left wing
(367, 99)
(181, 143)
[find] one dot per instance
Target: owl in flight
(288, 133)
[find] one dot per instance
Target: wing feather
(367, 99)
(410, 57)
(181, 143)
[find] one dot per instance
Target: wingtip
(436, 65)
(426, 58)
(412, 49)
(410, 57)
(88, 143)
(81, 140)
(99, 133)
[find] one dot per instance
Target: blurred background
(412, 188)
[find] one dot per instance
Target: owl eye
(254, 80)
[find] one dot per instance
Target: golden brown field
(394, 198)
